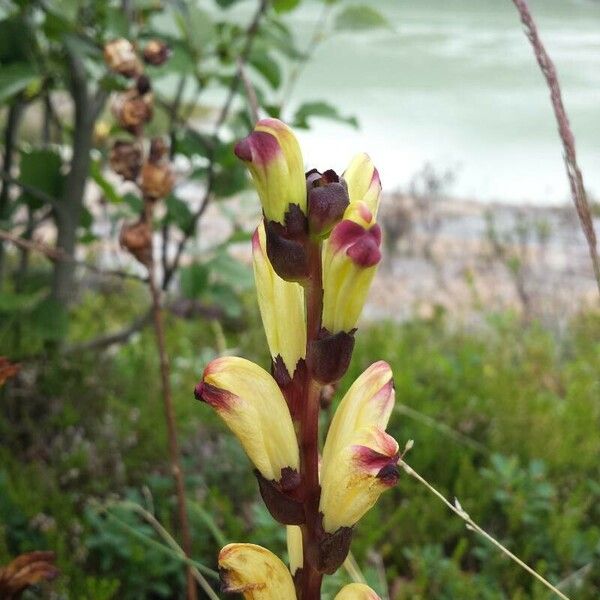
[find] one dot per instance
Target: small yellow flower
(248, 399)
(359, 458)
(363, 182)
(274, 158)
(281, 306)
(294, 546)
(357, 591)
(255, 573)
(350, 259)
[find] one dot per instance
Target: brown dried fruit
(132, 110)
(156, 52)
(120, 57)
(136, 238)
(7, 370)
(126, 159)
(157, 180)
(24, 571)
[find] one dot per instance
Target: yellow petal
(359, 458)
(274, 158)
(357, 591)
(294, 546)
(363, 182)
(350, 259)
(281, 306)
(255, 573)
(248, 399)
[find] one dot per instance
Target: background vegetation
(504, 414)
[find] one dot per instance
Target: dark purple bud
(327, 201)
(292, 388)
(143, 85)
(329, 355)
(278, 499)
(287, 255)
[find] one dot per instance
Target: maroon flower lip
(218, 398)
(362, 245)
(259, 147)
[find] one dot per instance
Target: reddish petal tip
(243, 150)
(198, 391)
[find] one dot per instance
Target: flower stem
(309, 432)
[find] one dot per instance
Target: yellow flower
(357, 591)
(255, 573)
(281, 306)
(294, 546)
(247, 398)
(350, 259)
(359, 458)
(274, 158)
(363, 182)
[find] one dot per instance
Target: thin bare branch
(56, 254)
(250, 92)
(578, 192)
(251, 32)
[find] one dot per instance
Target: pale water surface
(456, 84)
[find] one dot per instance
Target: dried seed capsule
(126, 159)
(136, 238)
(157, 180)
(156, 52)
(120, 57)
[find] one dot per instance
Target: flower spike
(273, 156)
(281, 306)
(247, 398)
(254, 572)
(359, 458)
(356, 591)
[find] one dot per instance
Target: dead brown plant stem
(57, 254)
(574, 175)
(174, 452)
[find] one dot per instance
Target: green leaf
(226, 3)
(360, 18)
(323, 110)
(194, 280)
(14, 46)
(103, 183)
(41, 169)
(266, 66)
(285, 5)
(191, 143)
(50, 319)
(231, 272)
(178, 212)
(15, 78)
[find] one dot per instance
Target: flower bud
(281, 305)
(362, 179)
(156, 53)
(120, 57)
(327, 201)
(350, 259)
(356, 591)
(247, 398)
(273, 156)
(126, 159)
(359, 458)
(294, 547)
(136, 238)
(255, 573)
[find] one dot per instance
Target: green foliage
(360, 18)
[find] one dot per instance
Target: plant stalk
(174, 452)
(309, 433)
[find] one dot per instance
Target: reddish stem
(309, 433)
